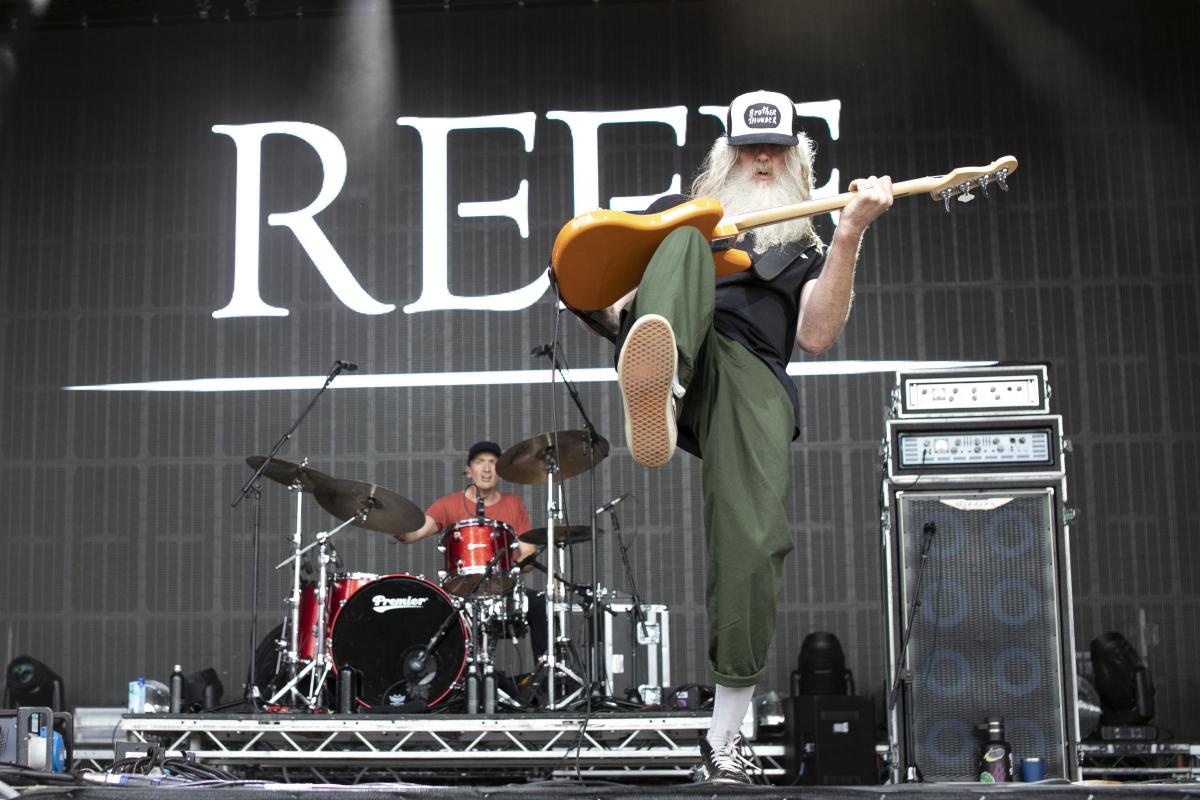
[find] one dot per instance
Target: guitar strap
(767, 266)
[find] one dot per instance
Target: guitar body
(600, 256)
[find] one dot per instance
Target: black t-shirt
(761, 314)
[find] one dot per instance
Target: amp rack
(1002, 390)
(996, 449)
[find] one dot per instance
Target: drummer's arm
(524, 550)
(424, 532)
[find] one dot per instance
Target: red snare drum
(470, 547)
(342, 586)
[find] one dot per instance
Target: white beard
(742, 193)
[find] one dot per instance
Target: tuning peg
(1001, 174)
(964, 192)
(946, 194)
(984, 180)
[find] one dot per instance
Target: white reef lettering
(246, 300)
(435, 286)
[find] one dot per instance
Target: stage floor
(610, 791)
(603, 756)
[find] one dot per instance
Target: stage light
(1122, 681)
(29, 682)
(822, 667)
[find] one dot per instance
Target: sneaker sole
(645, 370)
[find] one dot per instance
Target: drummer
(483, 483)
(507, 508)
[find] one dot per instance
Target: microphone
(478, 502)
(542, 350)
(611, 504)
(930, 529)
(348, 366)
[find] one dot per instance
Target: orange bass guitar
(599, 256)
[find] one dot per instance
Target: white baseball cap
(761, 117)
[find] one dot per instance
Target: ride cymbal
(527, 461)
(287, 473)
(386, 511)
(563, 534)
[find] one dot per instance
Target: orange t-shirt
(456, 507)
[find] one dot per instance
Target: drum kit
(352, 640)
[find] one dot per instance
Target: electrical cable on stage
(19, 774)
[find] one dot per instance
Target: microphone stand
(912, 772)
(639, 613)
(253, 696)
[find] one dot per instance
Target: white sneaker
(645, 371)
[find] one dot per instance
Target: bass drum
(382, 631)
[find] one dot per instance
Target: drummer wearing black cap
(481, 499)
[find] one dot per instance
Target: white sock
(729, 709)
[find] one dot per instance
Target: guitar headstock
(963, 181)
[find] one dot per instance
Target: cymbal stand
(595, 678)
(322, 660)
(292, 656)
(553, 664)
(253, 695)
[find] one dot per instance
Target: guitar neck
(808, 208)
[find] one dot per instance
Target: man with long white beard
(703, 363)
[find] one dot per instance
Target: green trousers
(743, 421)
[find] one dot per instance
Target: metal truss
(1150, 760)
(602, 744)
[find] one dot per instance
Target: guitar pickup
(721, 245)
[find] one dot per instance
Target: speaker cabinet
(831, 741)
(991, 631)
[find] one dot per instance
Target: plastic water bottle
(995, 757)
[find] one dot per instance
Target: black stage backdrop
(121, 554)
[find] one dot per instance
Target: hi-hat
(386, 511)
(563, 534)
(287, 473)
(527, 461)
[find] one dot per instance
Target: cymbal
(287, 473)
(563, 534)
(387, 512)
(525, 462)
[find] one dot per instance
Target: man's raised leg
(660, 340)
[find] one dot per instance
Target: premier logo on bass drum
(383, 604)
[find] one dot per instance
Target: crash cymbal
(387, 512)
(525, 462)
(563, 534)
(287, 473)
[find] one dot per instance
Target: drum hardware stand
(552, 664)
(322, 659)
(595, 677)
(292, 643)
(481, 653)
(253, 696)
